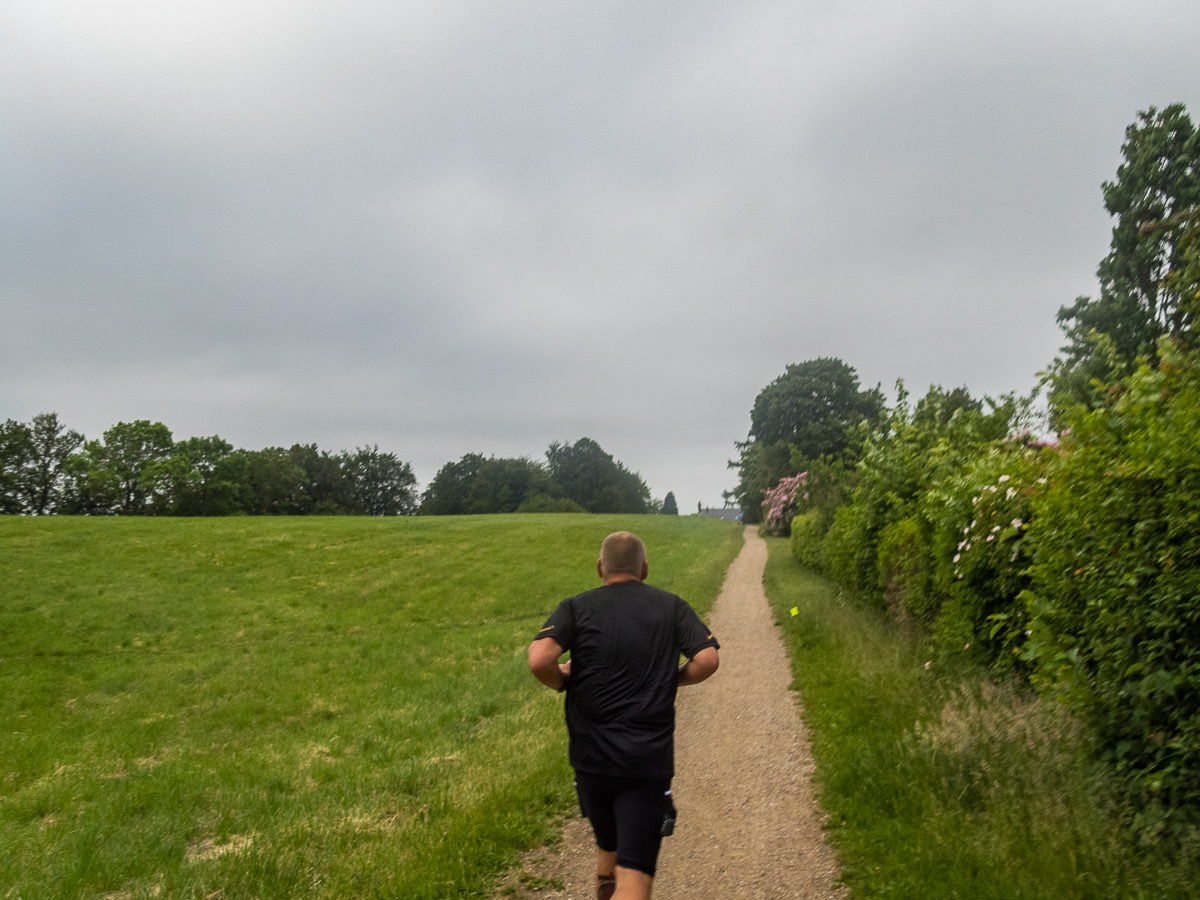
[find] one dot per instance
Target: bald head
(622, 553)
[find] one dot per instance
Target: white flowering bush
(881, 550)
(981, 522)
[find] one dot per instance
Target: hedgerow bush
(981, 550)
(906, 568)
(915, 449)
(850, 552)
(936, 526)
(1077, 566)
(808, 541)
(958, 563)
(1115, 595)
(826, 486)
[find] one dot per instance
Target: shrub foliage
(1115, 600)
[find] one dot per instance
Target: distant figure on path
(625, 639)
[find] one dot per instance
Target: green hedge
(1077, 566)
(1115, 600)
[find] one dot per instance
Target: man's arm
(699, 667)
(543, 663)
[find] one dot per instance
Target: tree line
(579, 477)
(137, 468)
(1069, 561)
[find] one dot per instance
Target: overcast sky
(454, 227)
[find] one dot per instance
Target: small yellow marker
(795, 610)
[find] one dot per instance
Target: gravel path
(749, 825)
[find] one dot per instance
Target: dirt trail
(749, 825)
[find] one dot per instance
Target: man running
(625, 640)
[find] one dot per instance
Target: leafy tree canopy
(447, 493)
(50, 446)
(136, 469)
(326, 488)
(203, 478)
(813, 406)
(593, 479)
(938, 406)
(271, 482)
(125, 462)
(1143, 291)
(579, 477)
(15, 452)
(479, 485)
(503, 485)
(381, 484)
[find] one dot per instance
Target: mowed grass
(939, 784)
(306, 707)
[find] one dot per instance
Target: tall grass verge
(939, 784)
(291, 708)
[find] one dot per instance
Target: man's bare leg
(606, 864)
(632, 884)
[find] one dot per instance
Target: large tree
(593, 479)
(448, 493)
(477, 485)
(207, 483)
(812, 409)
(124, 466)
(270, 482)
(50, 446)
(380, 483)
(502, 485)
(327, 489)
(15, 452)
(813, 406)
(1154, 199)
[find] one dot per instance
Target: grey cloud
(453, 227)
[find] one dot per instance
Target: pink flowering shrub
(780, 503)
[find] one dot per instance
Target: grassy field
(309, 707)
(941, 785)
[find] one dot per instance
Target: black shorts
(627, 815)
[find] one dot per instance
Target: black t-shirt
(625, 640)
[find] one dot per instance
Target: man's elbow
(537, 658)
(700, 666)
(543, 659)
